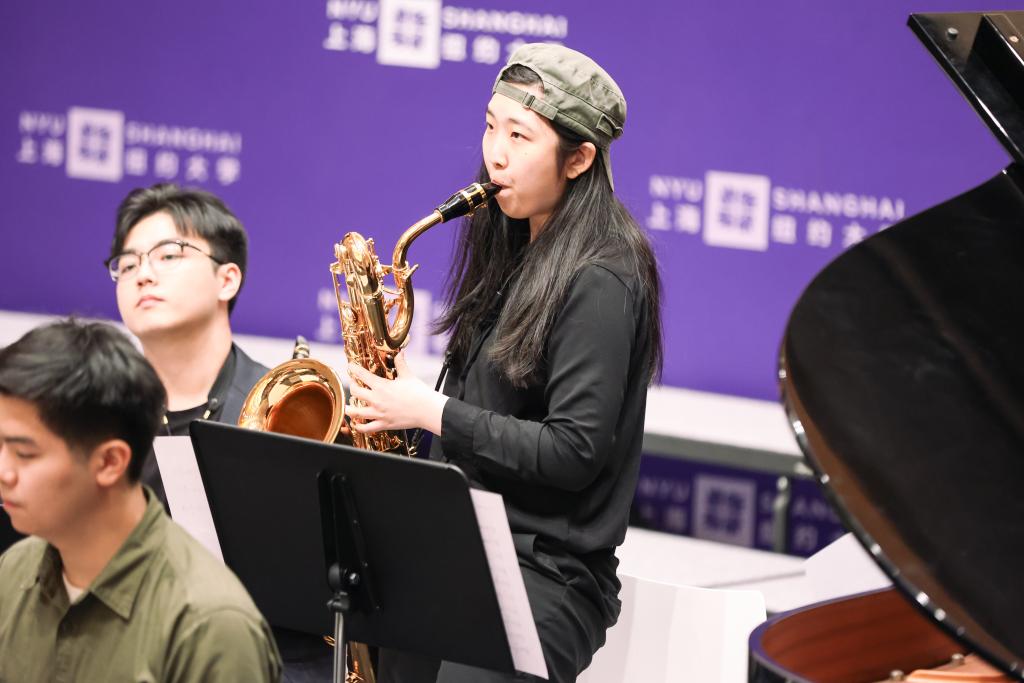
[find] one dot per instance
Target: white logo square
(736, 210)
(409, 33)
(723, 509)
(95, 149)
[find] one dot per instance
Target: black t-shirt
(177, 421)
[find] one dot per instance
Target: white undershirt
(74, 592)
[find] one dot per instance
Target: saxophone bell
(301, 397)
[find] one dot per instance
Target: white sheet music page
(186, 495)
(523, 640)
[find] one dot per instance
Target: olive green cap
(578, 93)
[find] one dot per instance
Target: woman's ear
(580, 160)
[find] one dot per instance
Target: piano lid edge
(951, 53)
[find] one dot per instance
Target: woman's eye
(516, 135)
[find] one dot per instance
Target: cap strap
(527, 99)
(608, 127)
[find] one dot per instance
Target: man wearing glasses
(178, 259)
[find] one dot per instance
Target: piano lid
(984, 55)
(902, 371)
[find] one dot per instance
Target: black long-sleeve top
(564, 452)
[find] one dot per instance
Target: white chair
(677, 634)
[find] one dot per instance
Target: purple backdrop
(762, 139)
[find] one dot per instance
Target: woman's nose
(496, 153)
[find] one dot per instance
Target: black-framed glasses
(163, 257)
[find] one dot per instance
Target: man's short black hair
(89, 384)
(194, 212)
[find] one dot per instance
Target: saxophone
(371, 338)
(303, 397)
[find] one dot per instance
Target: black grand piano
(902, 373)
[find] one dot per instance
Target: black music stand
(396, 538)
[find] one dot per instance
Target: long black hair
(494, 254)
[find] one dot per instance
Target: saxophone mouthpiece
(467, 200)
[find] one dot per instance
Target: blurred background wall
(762, 139)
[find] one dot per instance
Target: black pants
(570, 626)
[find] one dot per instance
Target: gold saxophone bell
(303, 397)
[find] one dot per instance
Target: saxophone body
(304, 397)
(375, 320)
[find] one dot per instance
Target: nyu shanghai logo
(95, 144)
(423, 34)
(101, 144)
(736, 211)
(409, 33)
(724, 509)
(746, 211)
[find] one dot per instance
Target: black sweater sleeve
(588, 365)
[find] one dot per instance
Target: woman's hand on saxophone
(388, 404)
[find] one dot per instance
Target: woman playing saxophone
(553, 312)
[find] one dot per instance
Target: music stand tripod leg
(339, 604)
(344, 549)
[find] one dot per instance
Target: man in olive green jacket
(106, 588)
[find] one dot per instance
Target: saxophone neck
(358, 253)
(396, 334)
(462, 203)
(398, 257)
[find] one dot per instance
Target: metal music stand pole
(345, 556)
(338, 604)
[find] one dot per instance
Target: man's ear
(580, 160)
(229, 275)
(109, 462)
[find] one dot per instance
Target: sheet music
(523, 640)
(186, 495)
